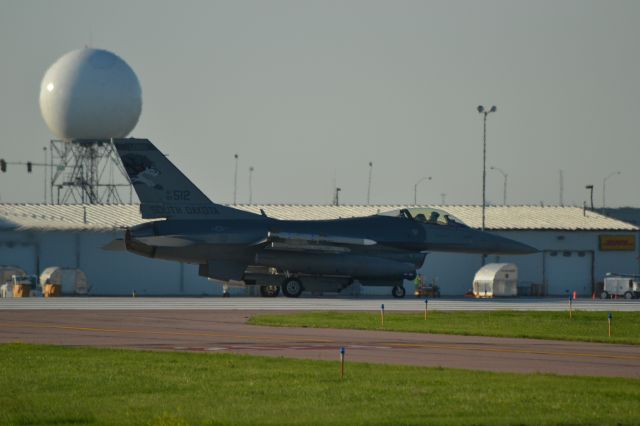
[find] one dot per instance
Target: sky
(309, 92)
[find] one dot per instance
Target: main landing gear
(398, 291)
(269, 290)
(292, 287)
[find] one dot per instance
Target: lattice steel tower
(87, 171)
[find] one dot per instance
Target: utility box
(621, 286)
(496, 280)
(22, 285)
(52, 290)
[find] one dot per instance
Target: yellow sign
(617, 242)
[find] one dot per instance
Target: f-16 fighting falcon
(244, 248)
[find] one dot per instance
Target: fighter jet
(244, 248)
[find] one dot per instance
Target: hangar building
(577, 247)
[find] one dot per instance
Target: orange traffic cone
(574, 295)
(593, 296)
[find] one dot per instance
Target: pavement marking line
(507, 350)
(170, 333)
(285, 338)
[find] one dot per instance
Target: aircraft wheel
(292, 287)
(398, 291)
(269, 290)
(226, 294)
(604, 295)
(628, 295)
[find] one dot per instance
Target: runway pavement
(311, 303)
(218, 330)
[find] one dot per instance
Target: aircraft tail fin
(163, 190)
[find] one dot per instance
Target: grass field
(584, 326)
(58, 385)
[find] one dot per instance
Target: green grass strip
(584, 326)
(73, 386)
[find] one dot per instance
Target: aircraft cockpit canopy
(426, 215)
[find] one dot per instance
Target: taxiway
(219, 330)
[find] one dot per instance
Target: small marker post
(382, 314)
(609, 321)
(341, 362)
(426, 303)
(570, 306)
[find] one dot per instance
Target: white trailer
(621, 286)
(72, 280)
(496, 280)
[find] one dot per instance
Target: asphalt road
(225, 331)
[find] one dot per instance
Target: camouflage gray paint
(231, 244)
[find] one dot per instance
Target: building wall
(109, 273)
(120, 273)
(567, 261)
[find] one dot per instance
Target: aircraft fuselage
(366, 247)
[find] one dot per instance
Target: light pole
(590, 188)
(44, 149)
(369, 186)
(483, 111)
(251, 185)
(336, 199)
(604, 187)
(561, 182)
(235, 180)
(504, 188)
(415, 189)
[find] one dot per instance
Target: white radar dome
(90, 94)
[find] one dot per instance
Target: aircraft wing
(115, 245)
(158, 241)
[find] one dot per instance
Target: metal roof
(108, 217)
(71, 217)
(489, 271)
